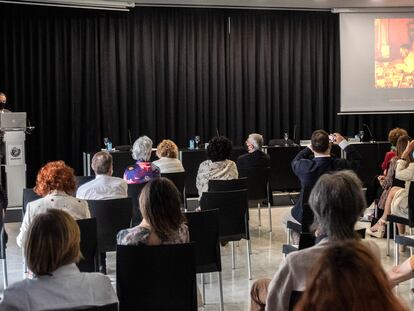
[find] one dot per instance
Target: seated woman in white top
(167, 152)
(51, 250)
(56, 184)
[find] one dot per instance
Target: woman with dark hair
(56, 184)
(163, 222)
(217, 165)
(52, 250)
(348, 277)
(337, 201)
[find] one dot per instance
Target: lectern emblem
(15, 152)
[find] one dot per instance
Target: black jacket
(255, 159)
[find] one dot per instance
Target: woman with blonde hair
(56, 184)
(167, 152)
(348, 277)
(52, 250)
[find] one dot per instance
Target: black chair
(111, 217)
(156, 278)
(234, 219)
(403, 240)
(258, 187)
(80, 180)
(204, 232)
(134, 191)
(227, 185)
(28, 196)
(179, 180)
(394, 220)
(88, 245)
(111, 307)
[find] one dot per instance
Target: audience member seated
(56, 184)
(315, 160)
(217, 166)
(337, 201)
(163, 222)
(143, 170)
(52, 249)
(347, 276)
(374, 189)
(104, 186)
(402, 272)
(397, 199)
(391, 186)
(167, 152)
(255, 156)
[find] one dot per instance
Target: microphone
(369, 131)
(217, 132)
(294, 134)
(129, 137)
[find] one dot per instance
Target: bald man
(3, 102)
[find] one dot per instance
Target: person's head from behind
(160, 207)
(141, 150)
(337, 201)
(102, 163)
(167, 149)
(394, 134)
(320, 142)
(3, 98)
(405, 49)
(402, 143)
(348, 277)
(53, 241)
(55, 175)
(254, 142)
(219, 149)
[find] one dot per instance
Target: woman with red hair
(56, 184)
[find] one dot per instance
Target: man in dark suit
(314, 161)
(255, 156)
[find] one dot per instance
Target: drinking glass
(197, 141)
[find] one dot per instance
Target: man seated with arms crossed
(103, 187)
(314, 161)
(255, 156)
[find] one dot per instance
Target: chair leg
(394, 228)
(203, 289)
(270, 216)
(249, 260)
(411, 231)
(233, 260)
(396, 254)
(5, 279)
(388, 238)
(258, 211)
(288, 232)
(221, 292)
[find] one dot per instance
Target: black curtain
(82, 75)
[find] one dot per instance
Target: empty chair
(134, 191)
(80, 180)
(111, 217)
(179, 180)
(88, 245)
(259, 188)
(203, 227)
(234, 220)
(156, 278)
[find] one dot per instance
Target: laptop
(12, 120)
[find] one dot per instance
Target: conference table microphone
(370, 133)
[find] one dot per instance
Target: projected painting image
(394, 53)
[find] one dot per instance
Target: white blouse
(169, 165)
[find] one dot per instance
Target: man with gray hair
(254, 157)
(104, 186)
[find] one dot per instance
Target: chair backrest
(80, 180)
(88, 244)
(179, 180)
(111, 217)
(257, 182)
(110, 307)
(227, 185)
(134, 191)
(156, 277)
(411, 205)
(233, 213)
(28, 196)
(204, 232)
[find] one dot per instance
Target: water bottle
(191, 144)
